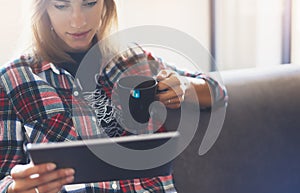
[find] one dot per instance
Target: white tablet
(90, 158)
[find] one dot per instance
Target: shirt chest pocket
(42, 112)
(61, 118)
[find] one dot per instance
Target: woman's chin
(79, 48)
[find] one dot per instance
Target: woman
(36, 97)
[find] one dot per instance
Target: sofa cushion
(258, 149)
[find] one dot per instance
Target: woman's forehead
(70, 1)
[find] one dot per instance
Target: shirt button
(75, 93)
(94, 119)
(114, 186)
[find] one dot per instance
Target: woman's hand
(39, 178)
(171, 88)
(174, 89)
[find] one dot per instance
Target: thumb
(163, 74)
(17, 170)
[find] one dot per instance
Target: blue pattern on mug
(136, 94)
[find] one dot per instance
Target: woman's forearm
(198, 91)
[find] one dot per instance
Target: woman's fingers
(168, 83)
(23, 171)
(171, 88)
(57, 181)
(44, 176)
(58, 175)
(175, 94)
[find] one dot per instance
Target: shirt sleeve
(140, 61)
(218, 90)
(11, 141)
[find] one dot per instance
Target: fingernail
(70, 179)
(51, 166)
(70, 171)
(164, 74)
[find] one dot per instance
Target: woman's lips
(79, 35)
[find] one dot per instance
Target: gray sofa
(258, 149)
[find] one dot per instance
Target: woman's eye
(60, 6)
(90, 4)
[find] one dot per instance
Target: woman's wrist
(198, 92)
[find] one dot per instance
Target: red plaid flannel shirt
(35, 107)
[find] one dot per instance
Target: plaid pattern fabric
(37, 105)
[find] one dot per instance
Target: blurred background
(237, 33)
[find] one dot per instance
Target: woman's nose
(78, 18)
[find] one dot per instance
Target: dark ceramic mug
(136, 93)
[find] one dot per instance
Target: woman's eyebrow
(66, 1)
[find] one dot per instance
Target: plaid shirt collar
(58, 75)
(45, 65)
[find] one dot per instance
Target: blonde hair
(44, 43)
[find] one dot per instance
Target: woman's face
(75, 21)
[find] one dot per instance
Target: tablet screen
(96, 160)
